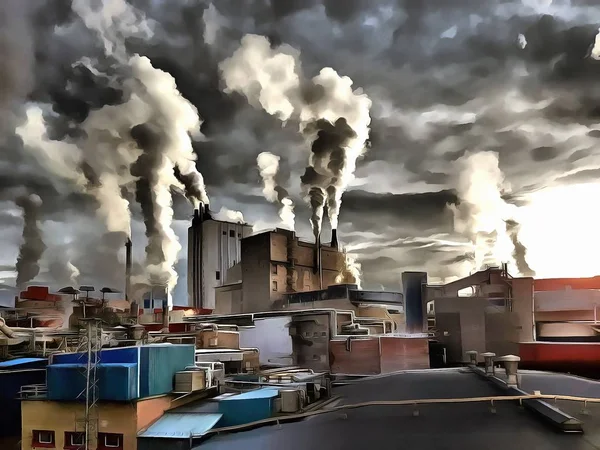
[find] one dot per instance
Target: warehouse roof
(437, 426)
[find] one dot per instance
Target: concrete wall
(228, 299)
(272, 337)
(121, 418)
(221, 250)
(470, 323)
(256, 273)
(522, 306)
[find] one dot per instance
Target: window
(232, 233)
(74, 440)
(224, 233)
(239, 235)
(110, 441)
(218, 275)
(274, 285)
(274, 269)
(43, 438)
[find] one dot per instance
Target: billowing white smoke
(229, 215)
(482, 213)
(595, 51)
(351, 272)
(268, 166)
(110, 158)
(334, 117)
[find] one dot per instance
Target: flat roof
(19, 362)
(438, 426)
(181, 425)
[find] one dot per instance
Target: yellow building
(53, 424)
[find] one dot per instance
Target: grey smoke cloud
(32, 246)
(435, 96)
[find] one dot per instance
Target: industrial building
(214, 247)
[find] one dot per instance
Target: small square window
(232, 233)
(239, 235)
(274, 269)
(74, 440)
(218, 275)
(224, 233)
(274, 286)
(43, 439)
(110, 441)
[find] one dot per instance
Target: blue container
(158, 365)
(247, 407)
(118, 382)
(65, 381)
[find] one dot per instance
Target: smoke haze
(424, 86)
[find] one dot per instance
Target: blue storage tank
(159, 363)
(247, 407)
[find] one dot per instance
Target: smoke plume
(520, 251)
(32, 246)
(482, 213)
(144, 141)
(332, 116)
(229, 215)
(268, 166)
(351, 271)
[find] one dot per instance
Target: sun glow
(561, 229)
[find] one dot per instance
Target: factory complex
(277, 335)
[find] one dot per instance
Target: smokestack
(128, 269)
(334, 240)
(317, 256)
(165, 312)
(194, 278)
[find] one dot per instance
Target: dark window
(218, 275)
(239, 235)
(224, 233)
(43, 439)
(74, 440)
(274, 269)
(275, 285)
(110, 441)
(231, 233)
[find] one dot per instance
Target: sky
(479, 113)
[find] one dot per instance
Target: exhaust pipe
(334, 239)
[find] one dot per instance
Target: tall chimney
(194, 277)
(316, 255)
(334, 240)
(165, 313)
(128, 269)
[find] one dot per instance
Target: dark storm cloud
(445, 77)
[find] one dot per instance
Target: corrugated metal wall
(158, 364)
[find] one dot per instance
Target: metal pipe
(428, 401)
(5, 329)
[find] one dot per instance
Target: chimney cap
(488, 355)
(509, 358)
